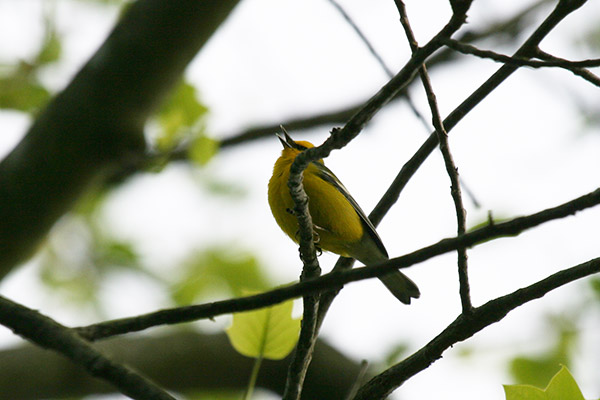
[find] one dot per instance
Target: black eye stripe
(299, 146)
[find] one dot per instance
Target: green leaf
(203, 149)
(51, 50)
(524, 392)
(109, 252)
(214, 269)
(561, 387)
(21, 91)
(535, 370)
(269, 332)
(179, 114)
(539, 369)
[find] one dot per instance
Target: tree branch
(181, 361)
(442, 136)
(311, 270)
(466, 48)
(562, 9)
(338, 139)
(548, 60)
(581, 72)
(49, 334)
(467, 325)
(96, 123)
(336, 279)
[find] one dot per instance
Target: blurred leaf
(203, 149)
(216, 269)
(51, 50)
(465, 351)
(179, 114)
(91, 200)
(537, 370)
(562, 386)
(220, 188)
(111, 253)
(64, 265)
(269, 332)
(21, 91)
(595, 284)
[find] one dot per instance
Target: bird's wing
(328, 176)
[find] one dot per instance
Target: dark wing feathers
(328, 176)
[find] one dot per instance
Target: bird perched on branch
(339, 224)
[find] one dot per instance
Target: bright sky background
(523, 149)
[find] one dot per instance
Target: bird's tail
(401, 286)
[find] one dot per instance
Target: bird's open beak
(285, 139)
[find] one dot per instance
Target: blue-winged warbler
(339, 224)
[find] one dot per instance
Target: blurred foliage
(20, 86)
(539, 369)
(218, 269)
(180, 117)
(202, 149)
(21, 90)
(562, 386)
(595, 286)
(79, 255)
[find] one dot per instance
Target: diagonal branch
(467, 325)
(340, 137)
(96, 122)
(313, 314)
(563, 8)
(49, 334)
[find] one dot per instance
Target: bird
(340, 226)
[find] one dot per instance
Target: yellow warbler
(339, 224)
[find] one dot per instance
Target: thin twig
(581, 72)
(562, 9)
(390, 74)
(358, 381)
(336, 279)
(467, 325)
(550, 62)
(408, 170)
(49, 334)
(340, 137)
(362, 37)
(442, 135)
(510, 28)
